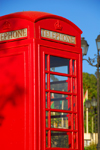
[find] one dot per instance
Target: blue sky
(84, 13)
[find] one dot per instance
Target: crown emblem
(58, 25)
(6, 25)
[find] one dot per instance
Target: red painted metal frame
(18, 125)
(33, 49)
(48, 51)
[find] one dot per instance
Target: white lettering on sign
(58, 36)
(13, 34)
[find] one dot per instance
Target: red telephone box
(40, 83)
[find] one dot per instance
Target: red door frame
(24, 48)
(70, 55)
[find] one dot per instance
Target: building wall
(90, 138)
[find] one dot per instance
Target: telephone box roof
(35, 16)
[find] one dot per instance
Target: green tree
(90, 83)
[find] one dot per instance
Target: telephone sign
(40, 83)
(13, 34)
(57, 36)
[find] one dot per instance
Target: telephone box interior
(41, 104)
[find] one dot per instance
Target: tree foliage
(90, 83)
(91, 147)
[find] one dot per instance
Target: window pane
(74, 85)
(46, 80)
(75, 140)
(46, 138)
(74, 103)
(61, 139)
(47, 118)
(74, 117)
(60, 83)
(61, 120)
(58, 64)
(73, 67)
(46, 99)
(60, 101)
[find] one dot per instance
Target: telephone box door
(14, 99)
(59, 99)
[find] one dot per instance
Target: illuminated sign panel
(13, 34)
(58, 36)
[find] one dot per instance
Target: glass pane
(46, 138)
(52, 102)
(74, 103)
(46, 100)
(73, 67)
(46, 81)
(98, 45)
(74, 117)
(74, 85)
(45, 62)
(61, 120)
(60, 101)
(60, 83)
(75, 140)
(61, 139)
(47, 118)
(58, 64)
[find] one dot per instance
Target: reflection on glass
(46, 138)
(58, 64)
(61, 139)
(73, 67)
(74, 103)
(60, 101)
(46, 75)
(45, 62)
(47, 118)
(61, 120)
(46, 99)
(75, 140)
(74, 86)
(60, 83)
